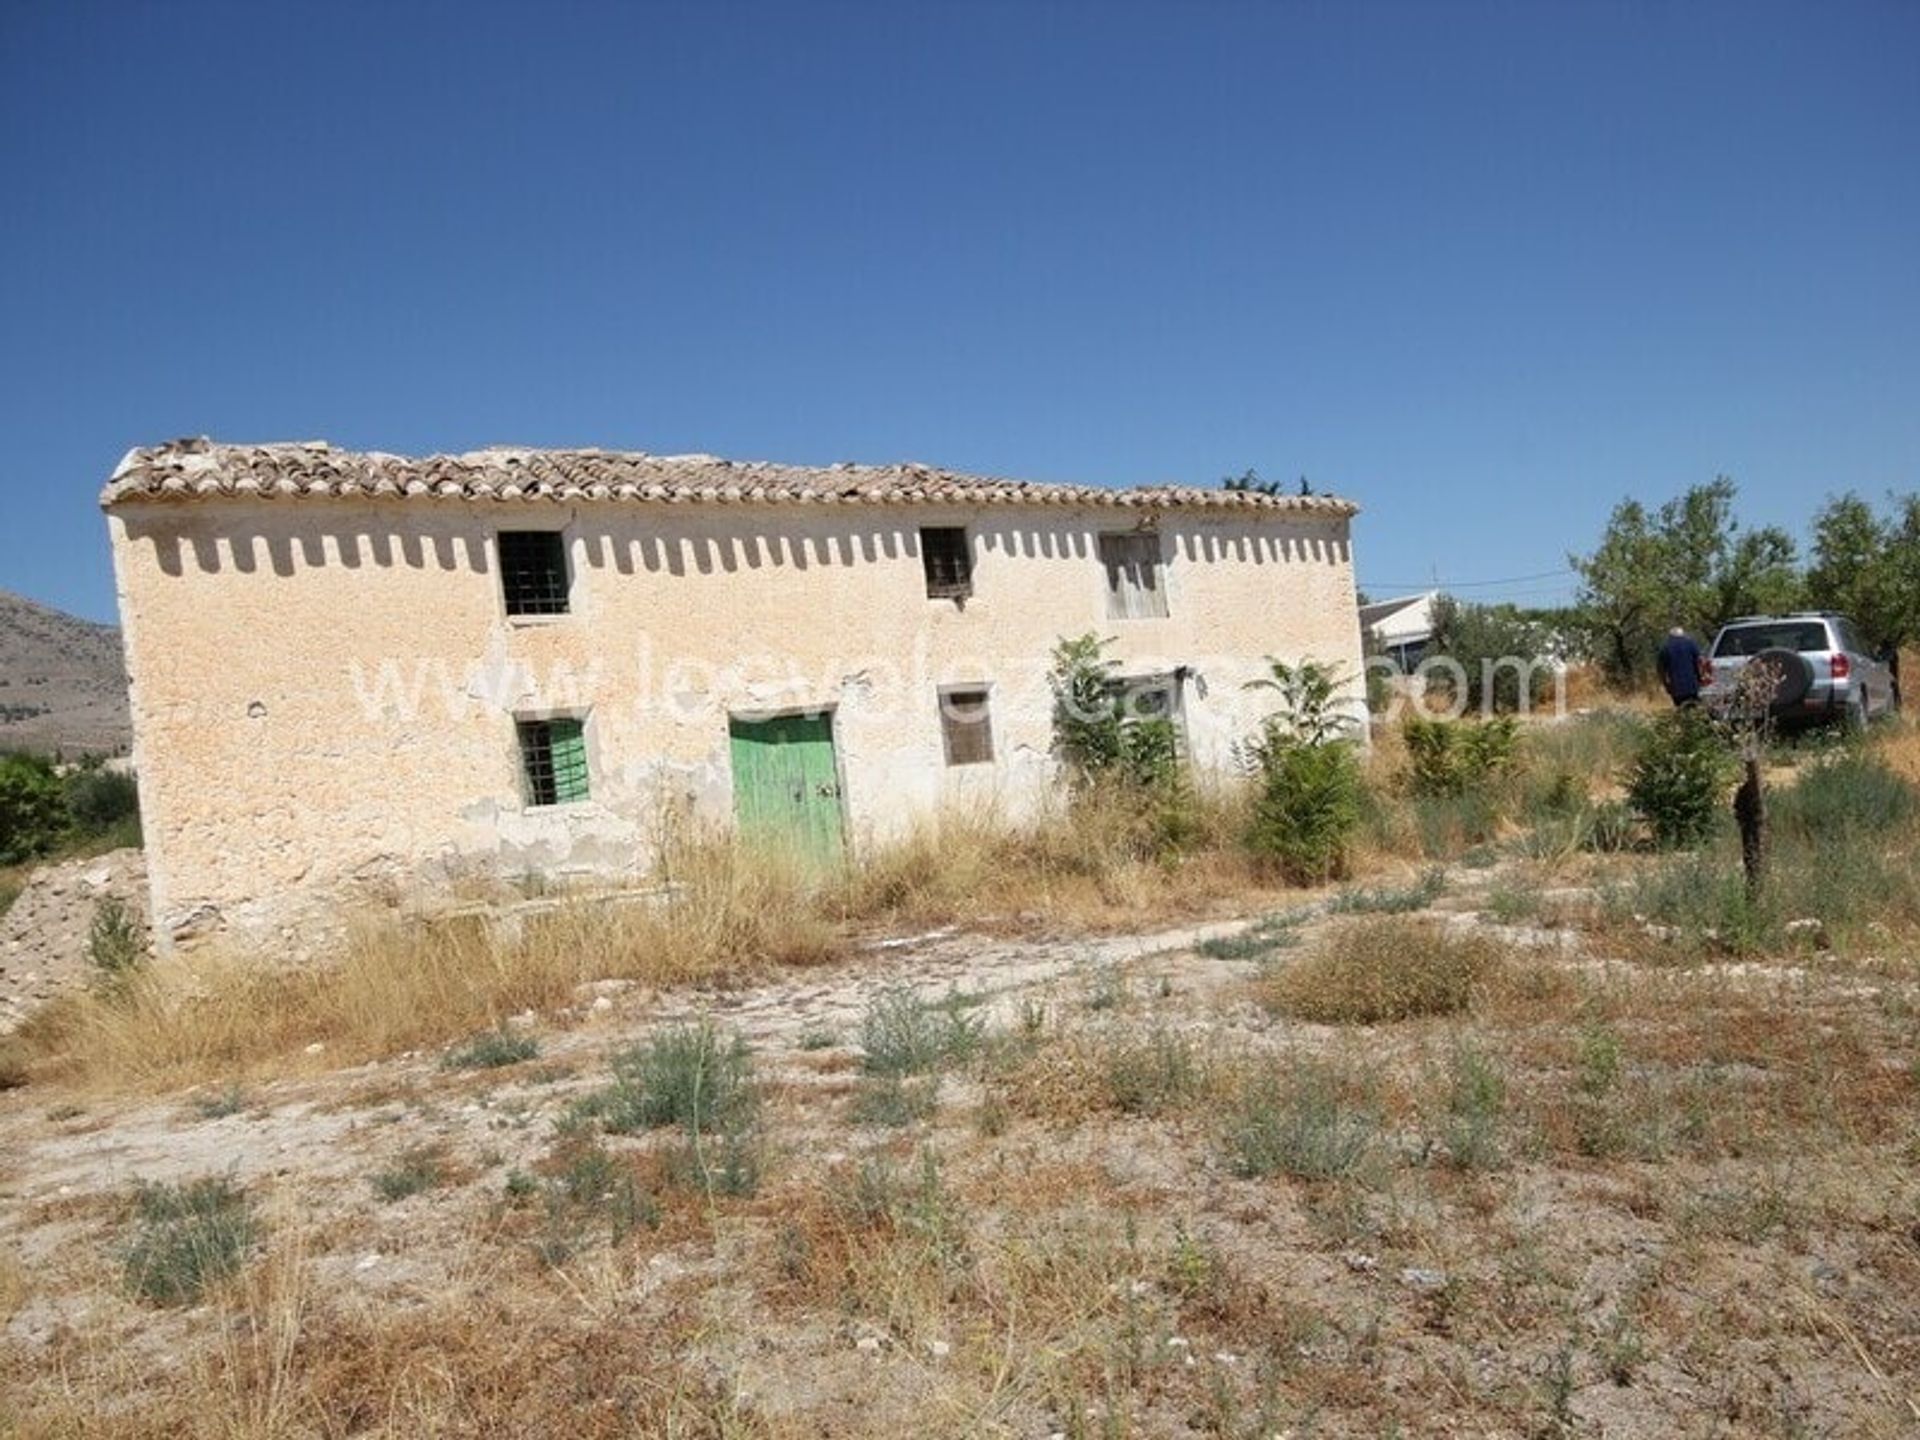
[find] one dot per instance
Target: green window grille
(553, 755)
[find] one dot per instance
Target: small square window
(966, 727)
(533, 571)
(553, 757)
(1136, 581)
(948, 561)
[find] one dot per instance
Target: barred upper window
(553, 759)
(533, 571)
(948, 561)
(966, 727)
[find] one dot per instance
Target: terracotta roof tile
(194, 469)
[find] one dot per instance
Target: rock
(316, 1048)
(939, 1349)
(601, 1005)
(868, 1344)
(1415, 1278)
(1360, 1264)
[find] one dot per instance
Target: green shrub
(420, 1168)
(1500, 650)
(1451, 825)
(589, 1189)
(187, 1238)
(33, 808)
(1451, 757)
(902, 1034)
(687, 1075)
(1476, 1107)
(1097, 733)
(1264, 937)
(114, 942)
(1402, 900)
(1680, 778)
(1852, 791)
(1307, 809)
(230, 1100)
(1300, 1124)
(491, 1050)
(98, 800)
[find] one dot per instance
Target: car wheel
(1858, 712)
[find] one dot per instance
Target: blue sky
(1485, 268)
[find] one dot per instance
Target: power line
(1420, 586)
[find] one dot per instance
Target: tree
(1687, 564)
(1868, 568)
(1499, 650)
(33, 808)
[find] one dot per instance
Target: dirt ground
(1719, 1235)
(43, 934)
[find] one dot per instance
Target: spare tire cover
(1795, 672)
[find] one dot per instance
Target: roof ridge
(200, 468)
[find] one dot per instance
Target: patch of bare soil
(1114, 1191)
(44, 933)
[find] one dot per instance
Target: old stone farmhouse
(362, 672)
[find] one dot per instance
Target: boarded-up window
(533, 571)
(1136, 583)
(966, 727)
(553, 757)
(948, 561)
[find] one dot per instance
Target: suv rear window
(1803, 635)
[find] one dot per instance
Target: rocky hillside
(63, 684)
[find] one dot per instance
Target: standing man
(1679, 665)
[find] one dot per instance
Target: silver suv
(1826, 672)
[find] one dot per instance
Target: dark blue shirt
(1680, 667)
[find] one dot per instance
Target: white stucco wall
(324, 691)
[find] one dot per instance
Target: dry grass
(1101, 863)
(406, 985)
(1899, 745)
(728, 915)
(1379, 969)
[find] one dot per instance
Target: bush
(1476, 1106)
(688, 1075)
(491, 1050)
(1307, 809)
(33, 808)
(1096, 732)
(114, 943)
(1497, 648)
(1452, 757)
(420, 1168)
(1300, 1125)
(187, 1238)
(1849, 791)
(1680, 778)
(1311, 792)
(1376, 971)
(901, 1034)
(99, 799)
(1151, 1073)
(1401, 901)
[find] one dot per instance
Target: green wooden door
(786, 787)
